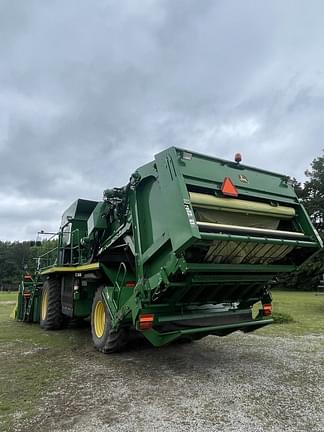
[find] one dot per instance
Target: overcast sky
(90, 90)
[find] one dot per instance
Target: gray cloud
(89, 91)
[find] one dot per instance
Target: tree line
(311, 194)
(15, 256)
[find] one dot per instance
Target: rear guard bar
(158, 339)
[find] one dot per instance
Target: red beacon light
(238, 157)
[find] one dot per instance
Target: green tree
(15, 256)
(312, 196)
(313, 193)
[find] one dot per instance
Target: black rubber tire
(112, 340)
(54, 318)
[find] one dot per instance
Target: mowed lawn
(32, 361)
(28, 362)
(306, 309)
(8, 296)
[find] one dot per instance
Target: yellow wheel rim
(44, 306)
(99, 319)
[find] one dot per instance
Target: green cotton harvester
(183, 251)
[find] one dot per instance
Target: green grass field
(306, 310)
(32, 360)
(28, 362)
(7, 296)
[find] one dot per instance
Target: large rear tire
(51, 317)
(105, 338)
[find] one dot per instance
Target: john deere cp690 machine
(184, 250)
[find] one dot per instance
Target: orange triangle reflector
(228, 187)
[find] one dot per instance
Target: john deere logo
(243, 179)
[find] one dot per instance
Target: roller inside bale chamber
(228, 214)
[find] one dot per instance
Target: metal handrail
(49, 257)
(52, 256)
